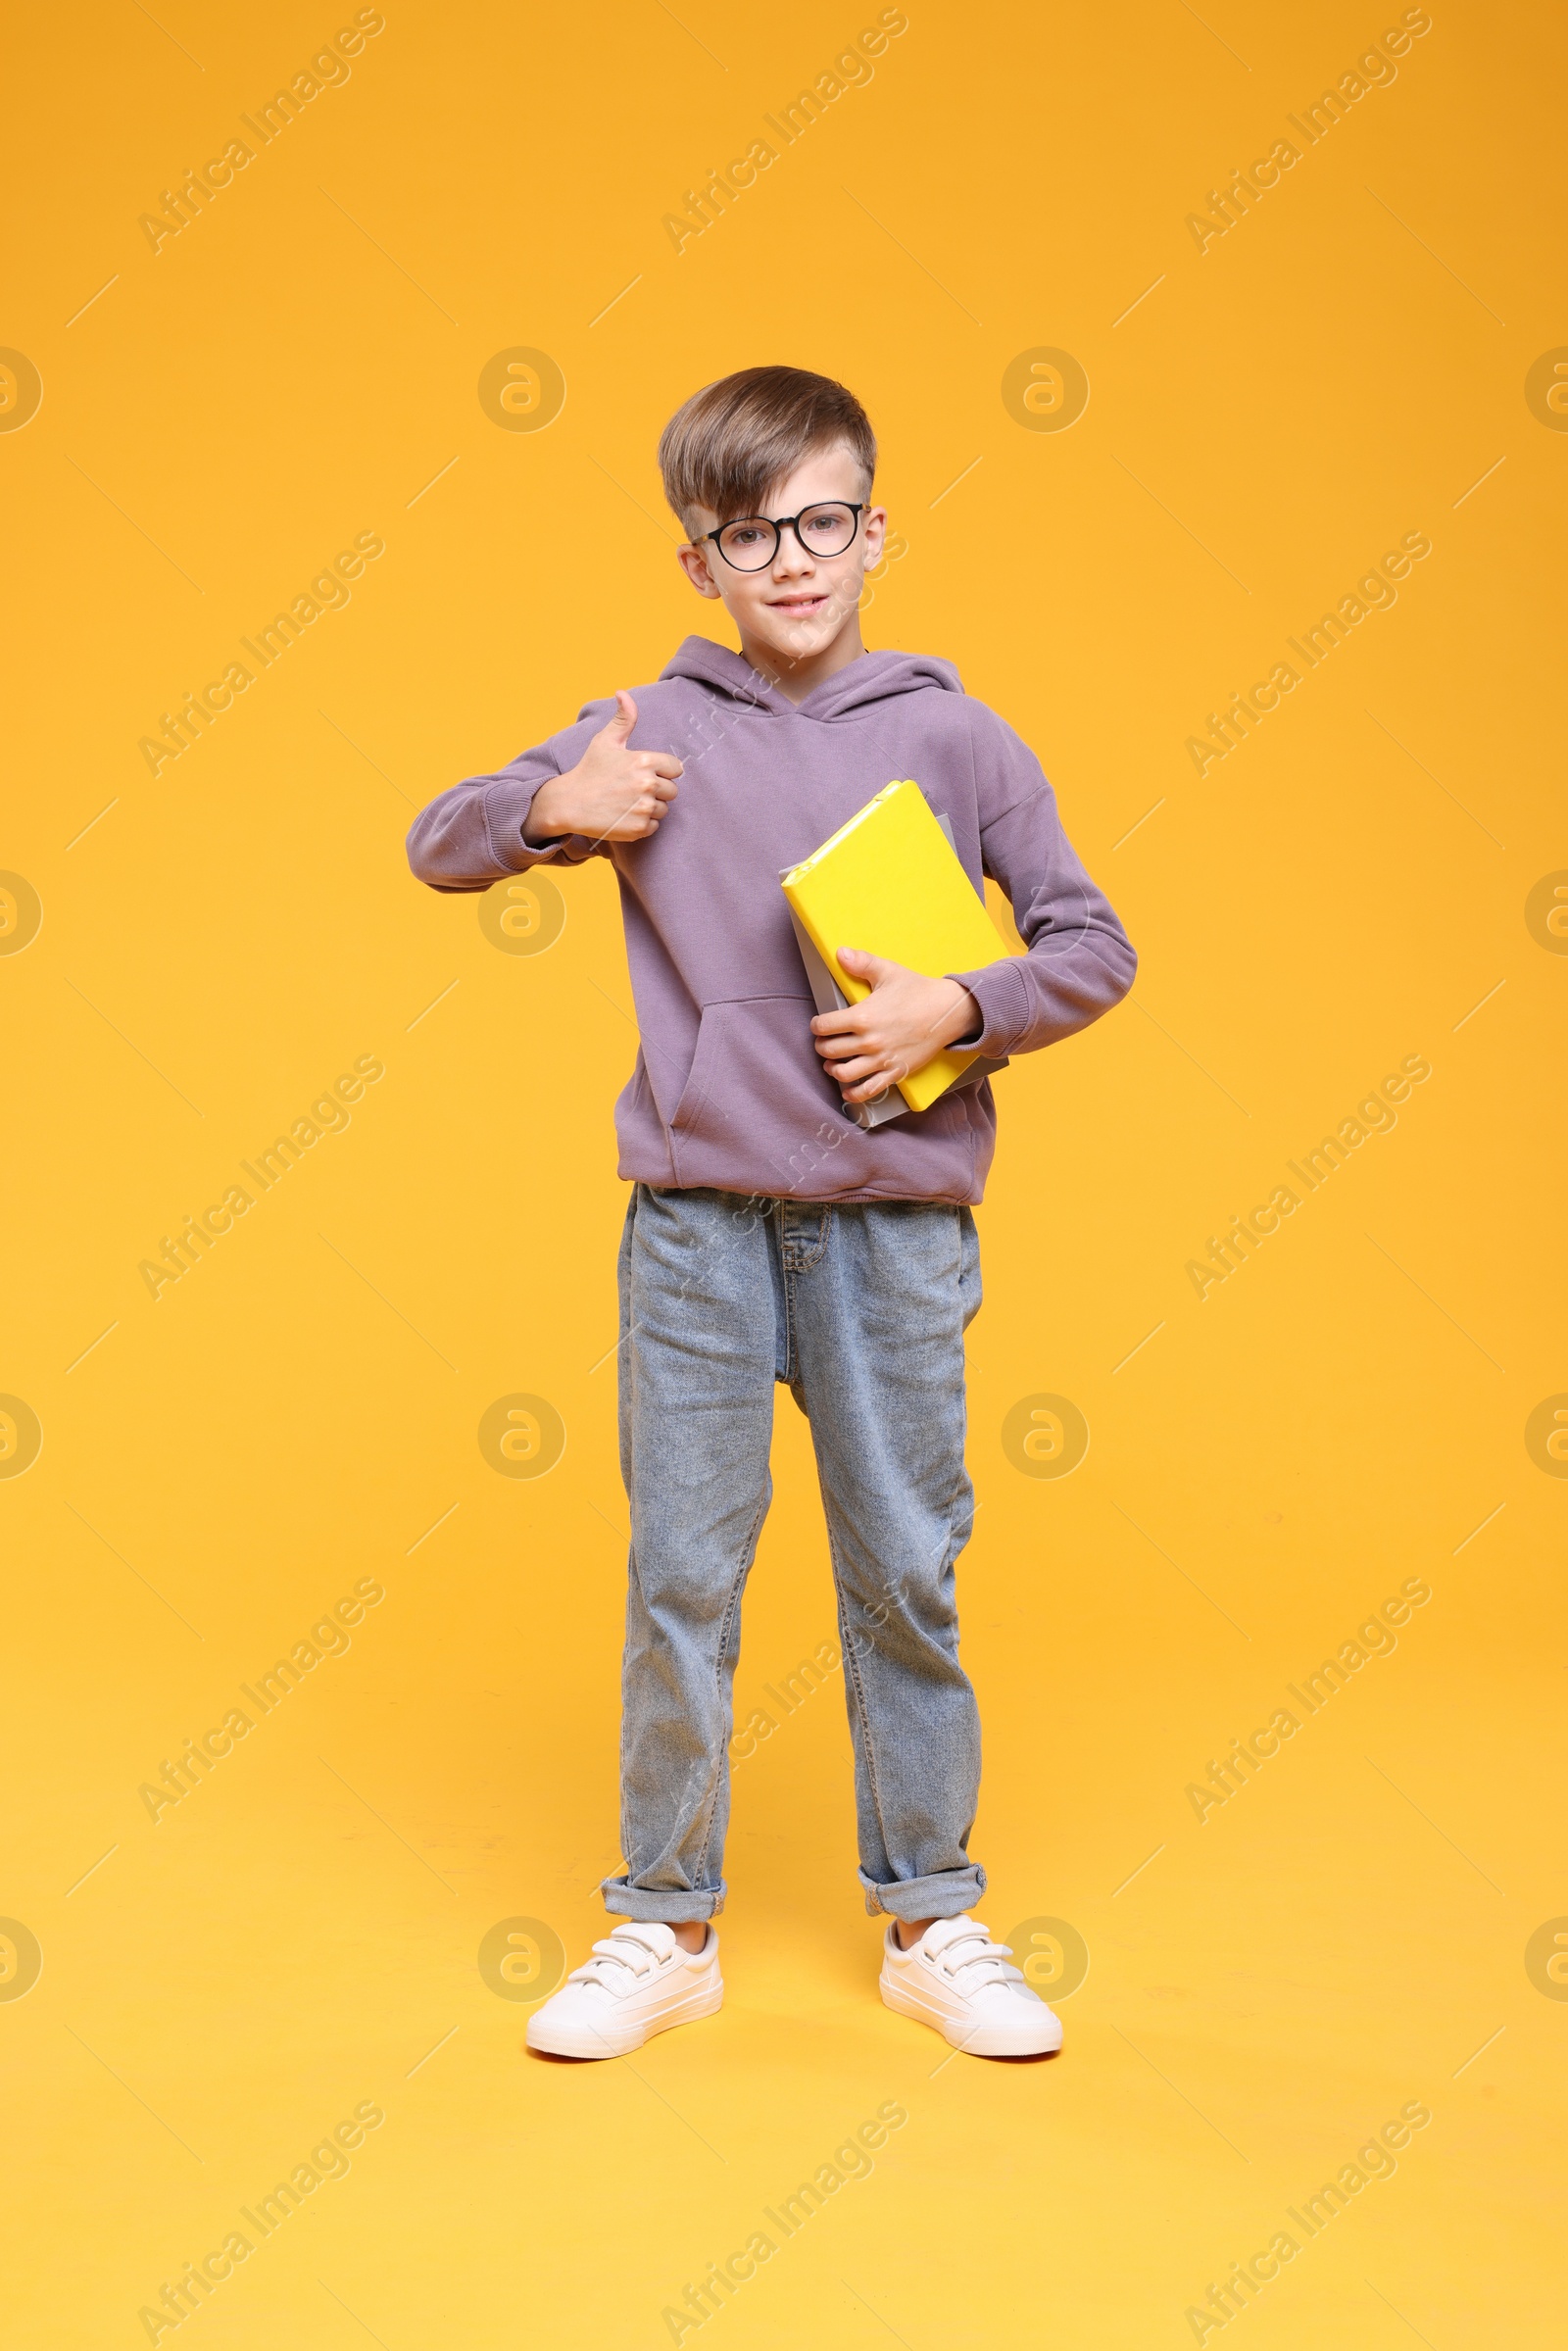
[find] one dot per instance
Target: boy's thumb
(625, 718)
(862, 965)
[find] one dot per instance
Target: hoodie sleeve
(472, 835)
(1079, 963)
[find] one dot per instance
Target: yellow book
(889, 882)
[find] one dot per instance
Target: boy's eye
(742, 534)
(825, 524)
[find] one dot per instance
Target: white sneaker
(639, 1982)
(958, 1980)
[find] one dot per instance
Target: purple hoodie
(728, 1090)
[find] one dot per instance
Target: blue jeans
(860, 1310)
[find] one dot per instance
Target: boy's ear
(693, 563)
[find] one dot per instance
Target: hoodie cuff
(505, 812)
(1004, 1000)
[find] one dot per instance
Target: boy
(769, 1237)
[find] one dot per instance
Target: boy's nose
(792, 557)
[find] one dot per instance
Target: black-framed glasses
(752, 544)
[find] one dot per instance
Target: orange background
(300, 1413)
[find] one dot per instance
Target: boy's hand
(613, 793)
(902, 1024)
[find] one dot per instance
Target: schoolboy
(769, 1237)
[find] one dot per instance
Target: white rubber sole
(1036, 2034)
(567, 2041)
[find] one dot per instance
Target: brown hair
(726, 446)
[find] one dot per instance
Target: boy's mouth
(798, 607)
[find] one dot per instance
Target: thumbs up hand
(613, 793)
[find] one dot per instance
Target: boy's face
(796, 607)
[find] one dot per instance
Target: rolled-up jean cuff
(942, 1896)
(624, 1900)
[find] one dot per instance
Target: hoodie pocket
(757, 1097)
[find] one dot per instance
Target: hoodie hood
(873, 679)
